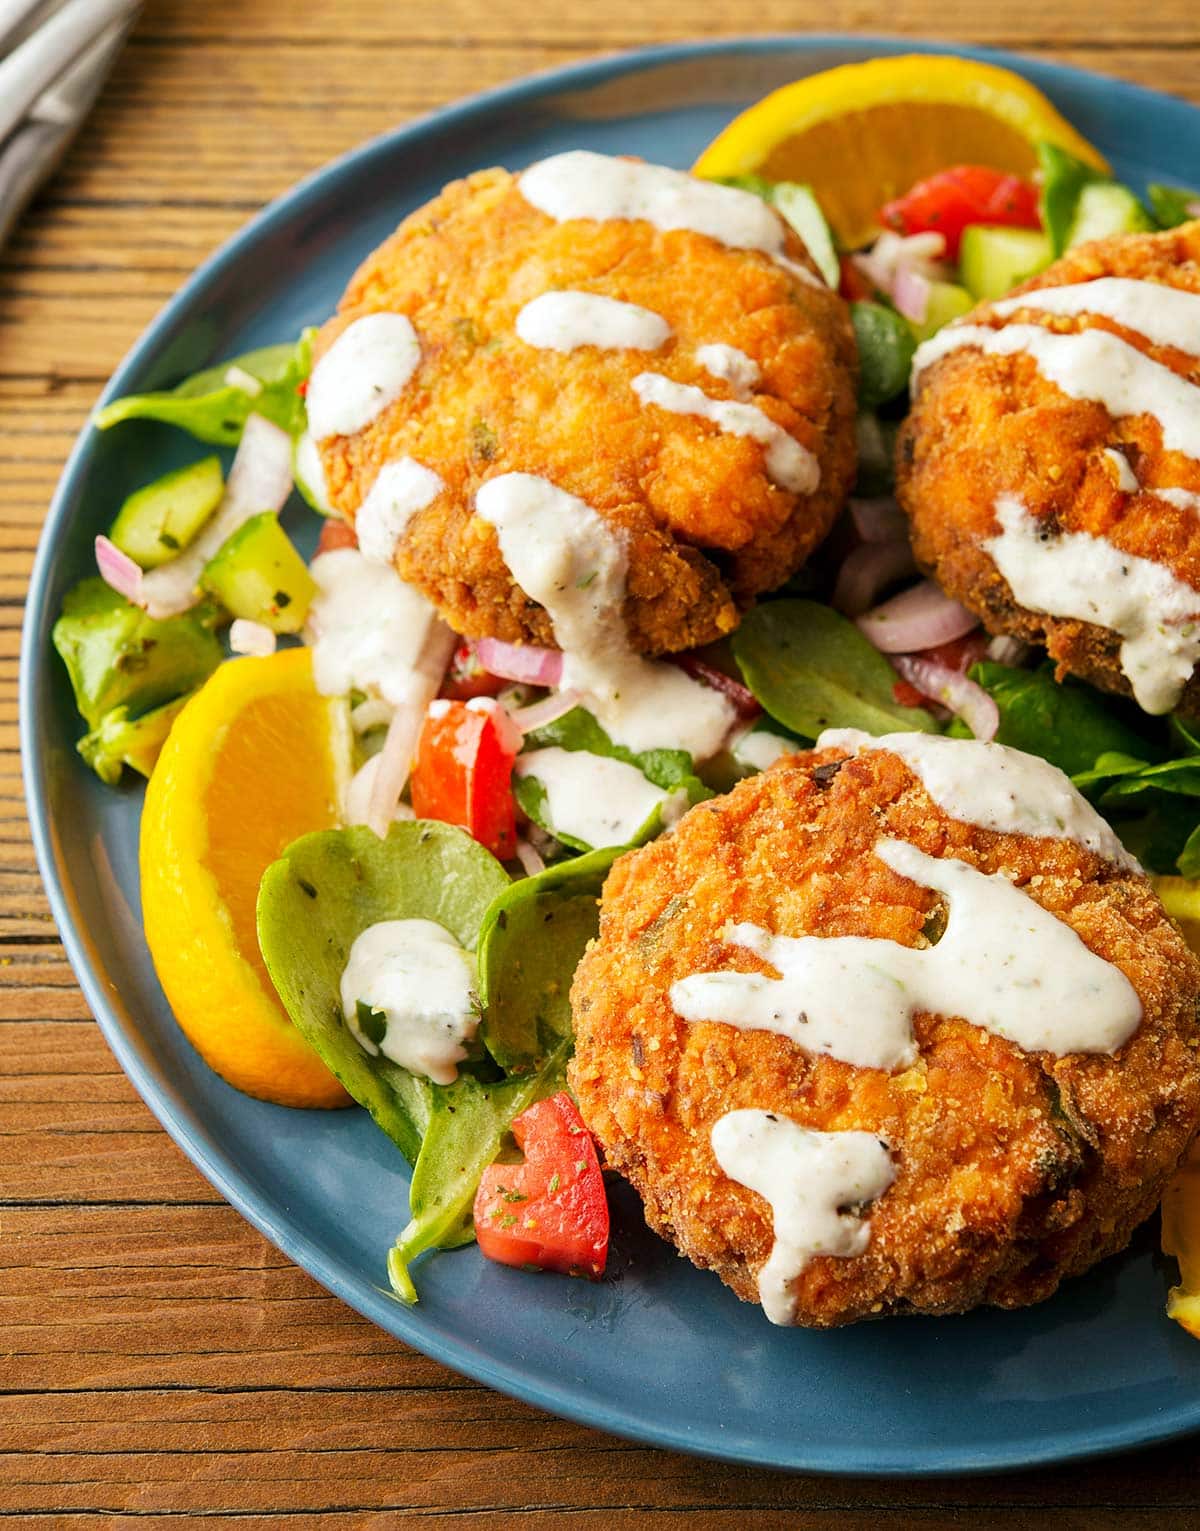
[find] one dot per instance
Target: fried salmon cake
(660, 348)
(1050, 467)
(973, 1085)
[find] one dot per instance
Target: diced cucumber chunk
(1105, 208)
(993, 260)
(800, 208)
(156, 523)
(257, 574)
(947, 300)
(117, 656)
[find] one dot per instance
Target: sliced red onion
(548, 710)
(119, 572)
(1192, 209)
(910, 294)
(870, 568)
(963, 697)
(892, 253)
(879, 520)
(392, 765)
(255, 638)
(373, 713)
(1005, 649)
(531, 862)
(260, 479)
(357, 803)
(523, 662)
(919, 618)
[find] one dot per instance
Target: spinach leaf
(1063, 180)
(1067, 723)
(118, 657)
(1172, 205)
(812, 669)
(1188, 860)
(322, 893)
(885, 351)
(579, 730)
(215, 411)
(530, 943)
(463, 1134)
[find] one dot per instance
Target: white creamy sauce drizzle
(1127, 480)
(401, 488)
(564, 321)
(993, 787)
(759, 748)
(732, 366)
(790, 465)
(1003, 963)
(369, 628)
(582, 184)
(566, 557)
(1086, 578)
(1166, 316)
(595, 799)
(1094, 365)
(363, 371)
(417, 976)
(1182, 499)
(816, 1184)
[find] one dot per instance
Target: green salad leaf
(1063, 179)
(530, 943)
(579, 730)
(1068, 723)
(886, 345)
(463, 1135)
(118, 657)
(812, 669)
(322, 893)
(1172, 205)
(216, 411)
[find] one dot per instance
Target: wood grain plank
(159, 1361)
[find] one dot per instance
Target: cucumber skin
(1106, 208)
(158, 521)
(994, 259)
(254, 568)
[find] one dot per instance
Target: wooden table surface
(158, 1358)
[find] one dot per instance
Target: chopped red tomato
(549, 1212)
(742, 700)
(948, 202)
(961, 653)
(466, 678)
(336, 534)
(302, 388)
(906, 695)
(463, 773)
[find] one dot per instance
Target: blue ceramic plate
(660, 1352)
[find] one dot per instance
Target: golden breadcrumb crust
(1014, 1169)
(983, 426)
(706, 528)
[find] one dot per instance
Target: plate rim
(221, 1170)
